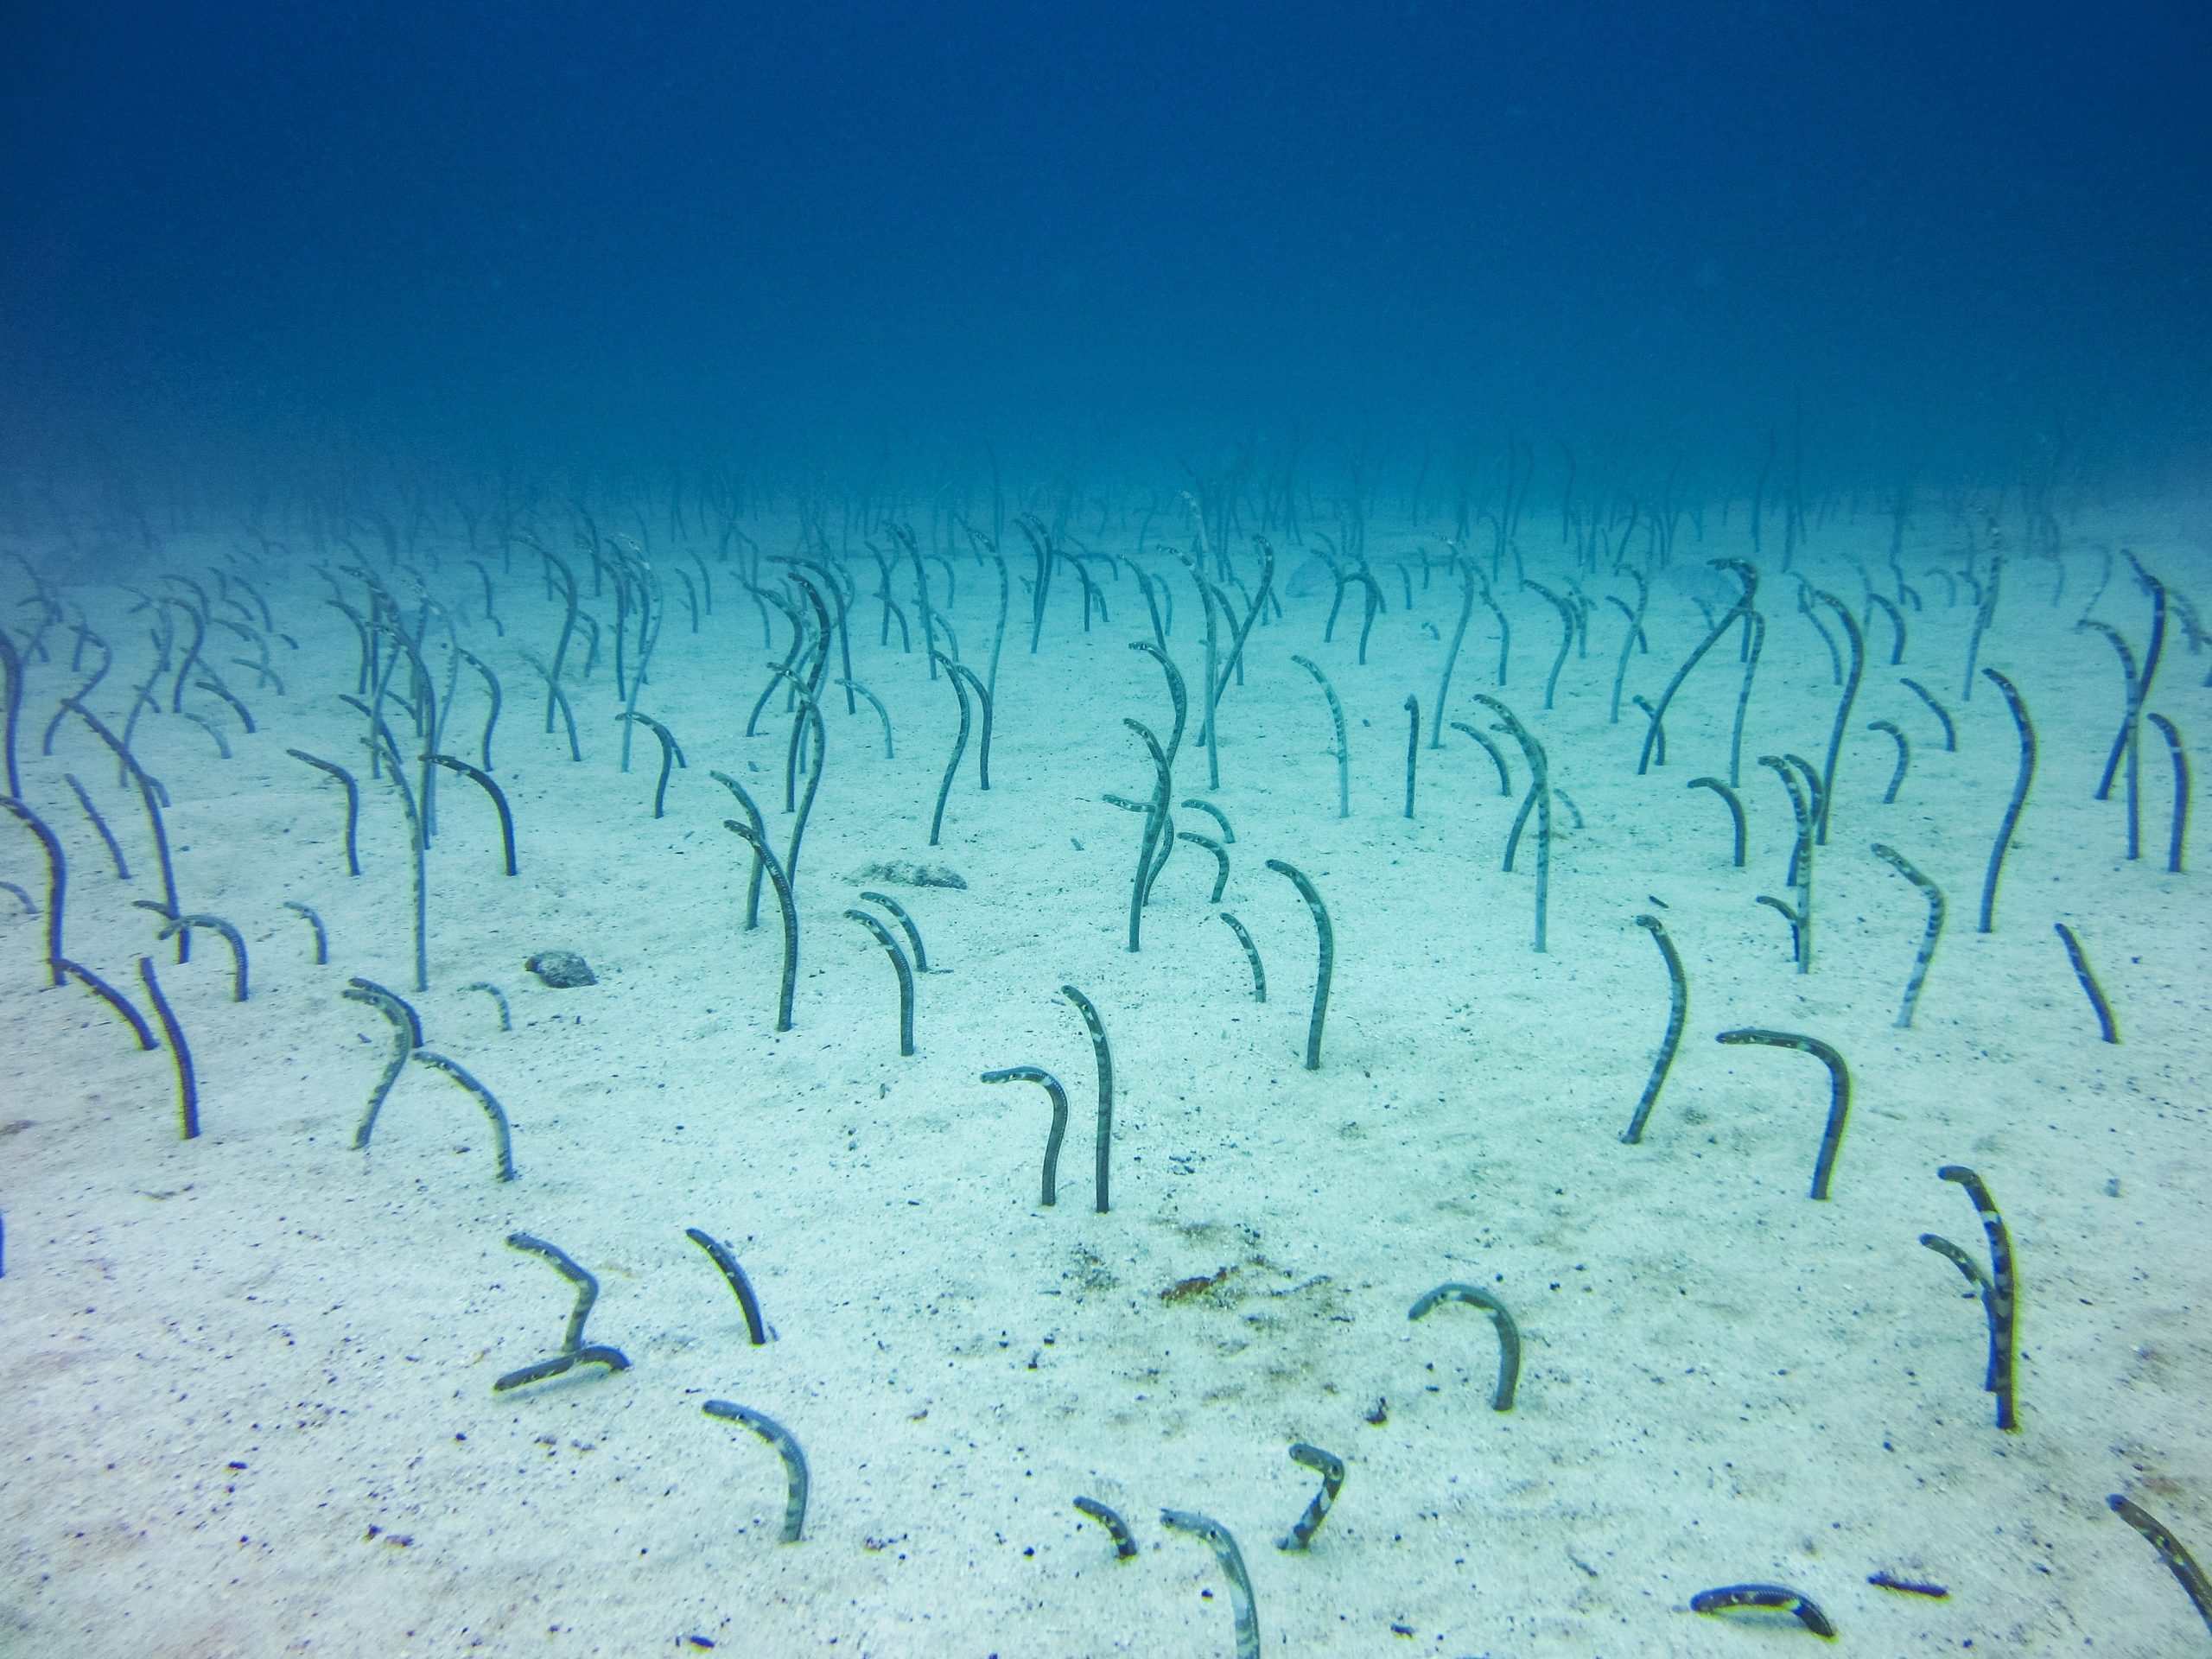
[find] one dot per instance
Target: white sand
(246, 1380)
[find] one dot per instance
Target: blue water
(857, 232)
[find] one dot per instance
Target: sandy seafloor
(246, 1380)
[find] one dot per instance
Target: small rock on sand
(904, 873)
(562, 969)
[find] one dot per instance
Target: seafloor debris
(562, 969)
(906, 872)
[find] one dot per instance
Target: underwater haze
(464, 228)
(1076, 830)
